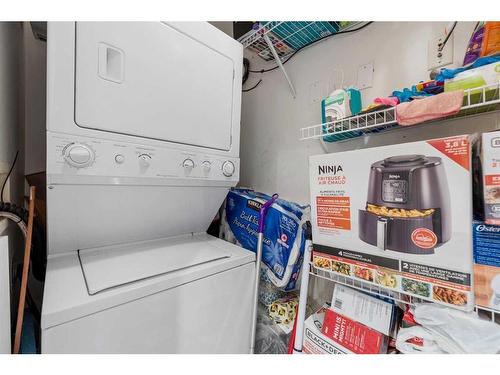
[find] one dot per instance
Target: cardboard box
(398, 216)
(363, 308)
(490, 162)
(486, 240)
(353, 335)
(314, 341)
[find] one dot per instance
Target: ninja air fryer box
(398, 216)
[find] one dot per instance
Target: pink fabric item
(431, 108)
(391, 100)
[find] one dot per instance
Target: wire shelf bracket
(280, 64)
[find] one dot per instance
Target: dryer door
(151, 80)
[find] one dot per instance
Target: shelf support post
(280, 64)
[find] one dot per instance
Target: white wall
(273, 158)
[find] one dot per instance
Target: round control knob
(78, 155)
(206, 166)
(144, 160)
(228, 168)
(119, 159)
(188, 165)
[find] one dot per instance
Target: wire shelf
(476, 101)
(483, 312)
(365, 287)
(288, 36)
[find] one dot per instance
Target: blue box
(486, 244)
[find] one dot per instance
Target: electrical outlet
(436, 58)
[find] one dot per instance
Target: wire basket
(289, 36)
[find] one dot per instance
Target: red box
(352, 335)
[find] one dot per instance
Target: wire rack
(483, 312)
(365, 287)
(288, 36)
(476, 101)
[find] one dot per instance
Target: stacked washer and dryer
(143, 123)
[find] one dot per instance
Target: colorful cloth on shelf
(431, 108)
(391, 101)
(408, 94)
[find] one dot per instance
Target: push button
(119, 159)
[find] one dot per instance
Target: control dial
(78, 155)
(228, 168)
(206, 165)
(119, 159)
(188, 165)
(144, 160)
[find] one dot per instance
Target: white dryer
(143, 124)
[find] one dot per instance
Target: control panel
(395, 187)
(71, 155)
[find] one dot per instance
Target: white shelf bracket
(280, 64)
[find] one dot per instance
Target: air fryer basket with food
(408, 205)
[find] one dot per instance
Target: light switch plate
(365, 75)
(436, 59)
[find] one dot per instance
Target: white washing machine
(143, 124)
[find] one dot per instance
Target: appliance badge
(323, 169)
(487, 228)
(254, 205)
(424, 238)
(323, 344)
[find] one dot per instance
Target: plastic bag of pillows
(284, 236)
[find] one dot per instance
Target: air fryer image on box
(399, 216)
(408, 205)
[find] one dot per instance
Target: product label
(333, 212)
(456, 148)
(492, 180)
(424, 238)
(352, 335)
(358, 258)
(486, 240)
(315, 344)
(454, 277)
(420, 280)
